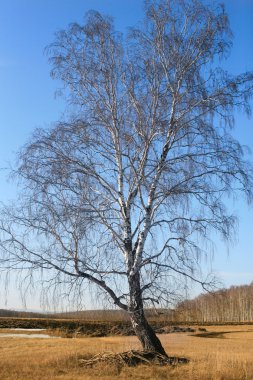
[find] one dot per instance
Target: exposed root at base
(133, 358)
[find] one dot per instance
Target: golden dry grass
(228, 358)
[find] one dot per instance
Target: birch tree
(123, 193)
(224, 306)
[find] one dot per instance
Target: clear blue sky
(27, 95)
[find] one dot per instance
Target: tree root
(133, 358)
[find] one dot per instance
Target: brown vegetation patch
(70, 328)
(77, 328)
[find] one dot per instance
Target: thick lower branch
(103, 285)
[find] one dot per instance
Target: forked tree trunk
(142, 329)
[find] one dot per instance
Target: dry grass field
(228, 356)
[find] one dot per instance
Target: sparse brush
(132, 358)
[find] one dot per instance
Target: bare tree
(125, 191)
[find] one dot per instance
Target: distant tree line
(227, 305)
(5, 313)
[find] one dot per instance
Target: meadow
(225, 353)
